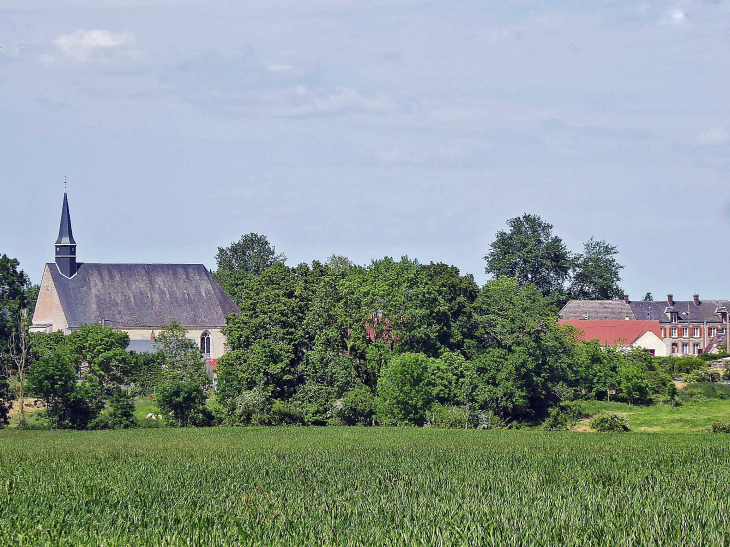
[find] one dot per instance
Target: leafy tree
(17, 300)
(6, 401)
(53, 380)
(404, 389)
(251, 254)
(596, 272)
(121, 410)
(531, 254)
(648, 297)
(358, 407)
(84, 404)
(101, 351)
(183, 402)
(146, 372)
(181, 358)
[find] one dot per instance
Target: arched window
(205, 343)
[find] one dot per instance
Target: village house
(688, 327)
(139, 299)
(645, 335)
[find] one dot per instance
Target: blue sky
(370, 129)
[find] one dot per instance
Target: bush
(357, 407)
(702, 375)
(5, 401)
(183, 403)
(703, 391)
(405, 393)
(610, 422)
(121, 410)
(562, 417)
(720, 427)
(449, 417)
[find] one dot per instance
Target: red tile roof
(614, 332)
(213, 364)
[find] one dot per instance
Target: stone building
(688, 327)
(139, 299)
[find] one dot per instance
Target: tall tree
(251, 254)
(530, 253)
(596, 272)
(648, 297)
(101, 351)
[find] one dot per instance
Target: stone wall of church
(48, 309)
(217, 339)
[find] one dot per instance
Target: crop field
(357, 486)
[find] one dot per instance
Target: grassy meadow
(360, 486)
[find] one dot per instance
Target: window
(685, 348)
(696, 332)
(205, 343)
(674, 332)
(685, 332)
(713, 331)
(674, 317)
(674, 349)
(696, 349)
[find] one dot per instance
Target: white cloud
(83, 43)
(713, 136)
(342, 99)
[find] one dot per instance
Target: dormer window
(674, 317)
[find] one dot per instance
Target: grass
(358, 486)
(688, 418)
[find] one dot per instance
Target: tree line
(393, 342)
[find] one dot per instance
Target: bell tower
(65, 244)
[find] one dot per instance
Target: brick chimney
(670, 299)
(697, 299)
(626, 298)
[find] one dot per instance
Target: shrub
(703, 391)
(449, 417)
(720, 427)
(121, 410)
(702, 375)
(357, 407)
(183, 403)
(562, 417)
(610, 422)
(405, 393)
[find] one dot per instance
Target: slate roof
(65, 234)
(686, 309)
(142, 295)
(614, 332)
(597, 310)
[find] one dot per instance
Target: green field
(356, 486)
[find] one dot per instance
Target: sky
(369, 129)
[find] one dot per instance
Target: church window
(205, 343)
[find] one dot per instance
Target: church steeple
(65, 244)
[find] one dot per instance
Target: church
(139, 299)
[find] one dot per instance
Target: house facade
(139, 299)
(688, 327)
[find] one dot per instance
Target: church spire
(65, 244)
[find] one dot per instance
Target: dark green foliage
(100, 351)
(183, 402)
(449, 417)
(357, 407)
(121, 410)
(676, 366)
(596, 273)
(405, 391)
(720, 427)
(703, 391)
(531, 254)
(6, 401)
(610, 422)
(43, 345)
(251, 254)
(69, 404)
(17, 296)
(146, 372)
(648, 298)
(702, 375)
(562, 416)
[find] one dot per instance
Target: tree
(53, 380)
(251, 254)
(101, 351)
(16, 294)
(530, 253)
(648, 297)
(404, 389)
(121, 410)
(6, 401)
(182, 360)
(20, 353)
(596, 272)
(183, 402)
